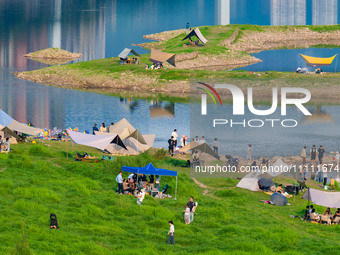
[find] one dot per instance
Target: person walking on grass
(303, 155)
(171, 233)
(192, 206)
(119, 180)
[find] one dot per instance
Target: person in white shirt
(171, 233)
(202, 140)
(7, 145)
(215, 145)
(111, 128)
(102, 128)
(174, 134)
(140, 197)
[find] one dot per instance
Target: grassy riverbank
(228, 47)
(38, 179)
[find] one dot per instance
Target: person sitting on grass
(7, 145)
(126, 186)
(279, 188)
(140, 197)
(171, 233)
(313, 216)
(307, 212)
(328, 212)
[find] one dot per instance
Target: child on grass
(186, 215)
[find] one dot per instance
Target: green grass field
(36, 180)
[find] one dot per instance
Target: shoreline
(230, 50)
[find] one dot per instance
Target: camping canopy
(12, 124)
(314, 62)
(323, 198)
(5, 119)
(150, 169)
(22, 128)
(158, 56)
(126, 52)
(97, 141)
(196, 32)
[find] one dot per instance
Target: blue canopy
(149, 169)
(5, 119)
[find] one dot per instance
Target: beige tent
(120, 127)
(132, 138)
(158, 56)
(204, 147)
(5, 132)
(22, 128)
(196, 32)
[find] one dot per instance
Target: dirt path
(205, 192)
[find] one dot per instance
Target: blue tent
(150, 169)
(5, 119)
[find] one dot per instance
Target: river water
(102, 28)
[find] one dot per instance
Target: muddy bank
(127, 81)
(271, 38)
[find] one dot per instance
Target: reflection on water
(102, 28)
(268, 141)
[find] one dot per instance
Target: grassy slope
(39, 180)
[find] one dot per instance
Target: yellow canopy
(313, 61)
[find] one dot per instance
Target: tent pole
(176, 188)
(66, 147)
(336, 63)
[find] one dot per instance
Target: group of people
(305, 70)
(313, 153)
(102, 128)
(138, 185)
(154, 66)
(172, 142)
(5, 144)
(326, 218)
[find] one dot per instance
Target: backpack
(53, 220)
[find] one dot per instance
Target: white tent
(14, 125)
(100, 142)
(323, 198)
(251, 182)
